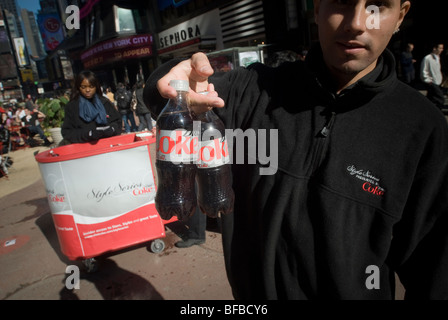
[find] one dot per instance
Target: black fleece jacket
(76, 130)
(360, 191)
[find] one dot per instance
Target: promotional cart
(101, 196)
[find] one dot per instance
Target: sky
(31, 5)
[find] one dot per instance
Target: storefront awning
(117, 49)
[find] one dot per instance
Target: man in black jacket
(359, 192)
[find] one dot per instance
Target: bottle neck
(182, 97)
(179, 104)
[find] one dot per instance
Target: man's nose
(355, 21)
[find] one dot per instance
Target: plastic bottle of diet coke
(213, 176)
(175, 160)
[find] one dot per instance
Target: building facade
(124, 41)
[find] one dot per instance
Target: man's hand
(196, 71)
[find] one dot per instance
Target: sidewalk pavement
(32, 266)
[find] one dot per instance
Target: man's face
(439, 49)
(352, 38)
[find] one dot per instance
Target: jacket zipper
(323, 142)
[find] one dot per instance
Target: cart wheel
(157, 246)
(91, 265)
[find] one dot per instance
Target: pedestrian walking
(431, 74)
(142, 111)
(407, 64)
(123, 98)
(359, 190)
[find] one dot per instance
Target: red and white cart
(101, 196)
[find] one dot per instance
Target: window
(125, 20)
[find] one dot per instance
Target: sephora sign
(200, 28)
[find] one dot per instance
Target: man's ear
(405, 6)
(316, 9)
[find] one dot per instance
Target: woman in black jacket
(89, 116)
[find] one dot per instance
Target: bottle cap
(180, 85)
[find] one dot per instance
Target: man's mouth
(352, 47)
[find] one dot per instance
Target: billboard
(51, 30)
(21, 57)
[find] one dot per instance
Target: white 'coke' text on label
(178, 146)
(213, 153)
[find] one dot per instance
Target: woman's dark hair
(91, 77)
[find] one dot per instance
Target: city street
(33, 266)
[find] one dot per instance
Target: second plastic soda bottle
(213, 176)
(175, 160)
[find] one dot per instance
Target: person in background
(29, 103)
(89, 116)
(431, 75)
(407, 64)
(31, 122)
(123, 98)
(110, 95)
(19, 114)
(142, 111)
(5, 134)
(195, 234)
(359, 192)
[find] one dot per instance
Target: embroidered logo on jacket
(370, 183)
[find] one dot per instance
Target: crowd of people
(93, 112)
(431, 72)
(21, 121)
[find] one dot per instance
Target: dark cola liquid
(176, 181)
(215, 193)
(175, 191)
